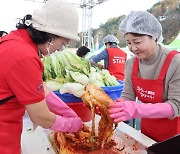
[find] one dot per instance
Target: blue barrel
(82, 111)
(113, 91)
(68, 98)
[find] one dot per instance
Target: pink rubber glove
(126, 110)
(121, 99)
(66, 119)
(70, 125)
(56, 105)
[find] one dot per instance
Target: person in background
(3, 33)
(21, 88)
(153, 76)
(82, 51)
(114, 58)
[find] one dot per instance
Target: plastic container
(170, 146)
(114, 94)
(68, 98)
(114, 91)
(83, 111)
(76, 104)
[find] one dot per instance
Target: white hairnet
(142, 22)
(110, 38)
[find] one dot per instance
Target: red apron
(151, 91)
(116, 63)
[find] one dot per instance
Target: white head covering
(57, 17)
(110, 38)
(142, 22)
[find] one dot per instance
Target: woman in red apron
(152, 76)
(114, 58)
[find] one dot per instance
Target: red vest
(116, 64)
(151, 91)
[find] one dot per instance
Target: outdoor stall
(127, 139)
(68, 85)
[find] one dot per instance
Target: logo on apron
(40, 88)
(145, 93)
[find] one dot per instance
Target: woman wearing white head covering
(46, 31)
(114, 58)
(152, 76)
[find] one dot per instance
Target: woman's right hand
(64, 124)
(57, 106)
(66, 119)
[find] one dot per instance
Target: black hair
(110, 43)
(82, 51)
(38, 37)
(2, 32)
